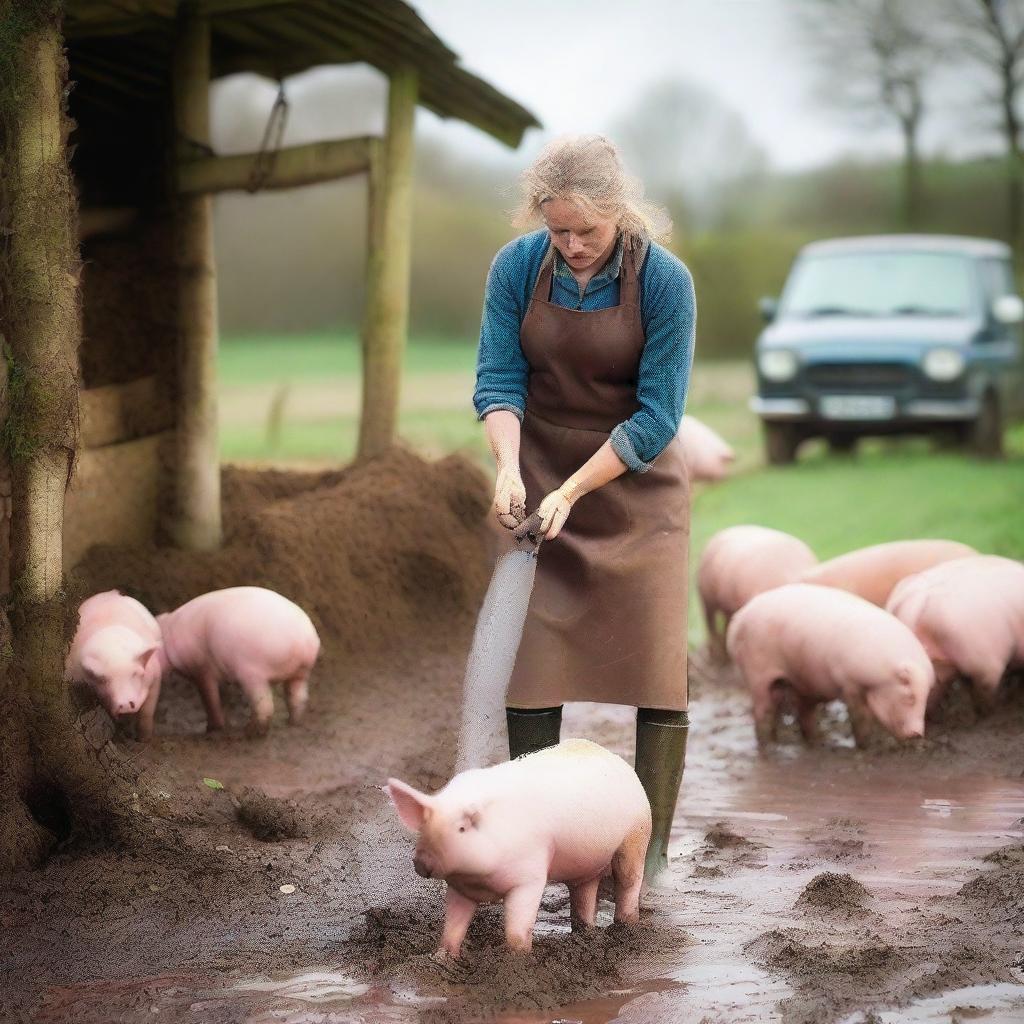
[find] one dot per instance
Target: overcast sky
(577, 64)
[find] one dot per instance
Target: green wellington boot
(660, 756)
(531, 729)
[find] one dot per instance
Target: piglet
(116, 653)
(571, 813)
(872, 572)
(969, 615)
(821, 644)
(706, 455)
(248, 635)
(740, 562)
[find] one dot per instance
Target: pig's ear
(411, 804)
(143, 656)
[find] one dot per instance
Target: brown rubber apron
(607, 617)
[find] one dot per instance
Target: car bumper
(956, 410)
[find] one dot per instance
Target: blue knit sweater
(668, 314)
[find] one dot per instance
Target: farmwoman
(582, 372)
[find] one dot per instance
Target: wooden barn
(147, 462)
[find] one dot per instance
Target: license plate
(858, 407)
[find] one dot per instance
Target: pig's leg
(807, 716)
(146, 713)
(296, 694)
(628, 873)
(766, 711)
(862, 723)
(209, 691)
(257, 689)
(716, 639)
(521, 907)
(458, 912)
(583, 903)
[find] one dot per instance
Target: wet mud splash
(810, 884)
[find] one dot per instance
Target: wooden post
(41, 315)
(386, 316)
(197, 520)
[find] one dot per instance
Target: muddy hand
(509, 498)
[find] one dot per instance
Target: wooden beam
(196, 522)
(291, 167)
(386, 316)
(116, 413)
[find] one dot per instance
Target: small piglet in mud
(707, 456)
(740, 562)
(571, 813)
(821, 644)
(872, 572)
(248, 635)
(969, 615)
(116, 653)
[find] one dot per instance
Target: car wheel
(780, 443)
(985, 434)
(842, 444)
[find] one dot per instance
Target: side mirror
(769, 307)
(1008, 309)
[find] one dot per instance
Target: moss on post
(386, 317)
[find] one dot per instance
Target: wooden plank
(292, 166)
(114, 497)
(117, 413)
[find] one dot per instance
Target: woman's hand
(509, 498)
(553, 512)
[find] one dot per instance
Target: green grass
(888, 491)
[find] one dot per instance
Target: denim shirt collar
(607, 273)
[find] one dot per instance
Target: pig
(117, 652)
(706, 455)
(823, 644)
(738, 563)
(571, 813)
(872, 572)
(251, 636)
(969, 615)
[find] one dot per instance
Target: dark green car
(892, 334)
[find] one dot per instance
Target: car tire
(781, 441)
(843, 444)
(985, 434)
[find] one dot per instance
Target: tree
(990, 35)
(687, 146)
(874, 58)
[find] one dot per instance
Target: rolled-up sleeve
(502, 371)
(669, 314)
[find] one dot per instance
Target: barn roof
(124, 47)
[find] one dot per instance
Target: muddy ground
(807, 884)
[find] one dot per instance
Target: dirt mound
(396, 945)
(378, 550)
(721, 837)
(832, 892)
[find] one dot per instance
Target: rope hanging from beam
(273, 133)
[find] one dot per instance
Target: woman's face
(585, 240)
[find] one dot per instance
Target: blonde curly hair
(587, 170)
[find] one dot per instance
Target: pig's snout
(125, 707)
(421, 866)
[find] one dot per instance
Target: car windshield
(879, 284)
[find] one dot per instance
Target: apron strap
(628, 287)
(542, 289)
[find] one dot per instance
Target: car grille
(871, 377)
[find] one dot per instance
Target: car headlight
(777, 364)
(943, 364)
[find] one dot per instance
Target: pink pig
(706, 455)
(872, 572)
(969, 615)
(571, 813)
(823, 644)
(116, 652)
(740, 562)
(248, 635)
